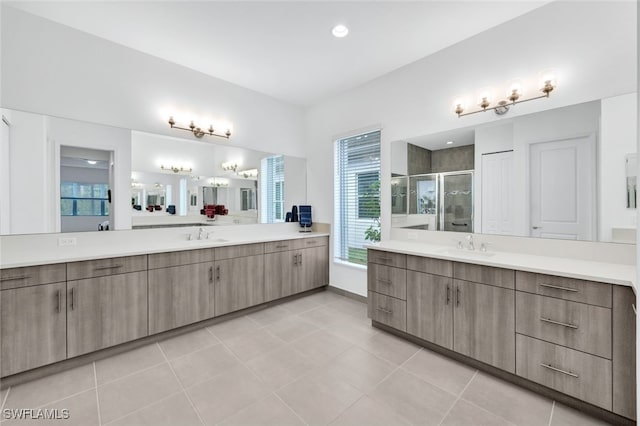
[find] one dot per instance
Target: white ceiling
(285, 49)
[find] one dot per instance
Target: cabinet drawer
(430, 265)
(301, 243)
(583, 291)
(276, 246)
(387, 258)
(583, 376)
(243, 250)
(32, 275)
(388, 310)
(387, 280)
(579, 326)
(177, 258)
(104, 267)
(484, 274)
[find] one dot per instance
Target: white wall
(591, 44)
(618, 135)
(52, 69)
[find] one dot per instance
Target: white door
(563, 188)
(497, 193)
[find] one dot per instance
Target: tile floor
(315, 360)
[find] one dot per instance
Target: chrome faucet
(200, 234)
(470, 245)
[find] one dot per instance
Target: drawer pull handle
(300, 261)
(210, 274)
(282, 246)
(217, 273)
(21, 277)
(448, 294)
(102, 268)
(559, 370)
(564, 324)
(311, 242)
(386, 311)
(457, 296)
(387, 282)
(73, 297)
(557, 287)
(59, 297)
(384, 259)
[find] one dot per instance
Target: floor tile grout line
(126, 376)
(192, 352)
(66, 397)
(184, 391)
(458, 398)
(6, 396)
(553, 406)
(290, 408)
(487, 410)
(143, 407)
(95, 378)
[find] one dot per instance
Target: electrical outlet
(412, 235)
(67, 241)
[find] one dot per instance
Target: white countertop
(611, 273)
(42, 249)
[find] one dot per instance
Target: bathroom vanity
(562, 327)
(61, 304)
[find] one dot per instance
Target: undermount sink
(217, 240)
(465, 252)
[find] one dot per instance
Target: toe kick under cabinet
(574, 336)
(51, 313)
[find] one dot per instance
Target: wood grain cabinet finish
(315, 266)
(624, 352)
(430, 265)
(33, 327)
(231, 252)
(484, 274)
(238, 283)
(282, 275)
(180, 295)
(430, 308)
(278, 246)
(387, 258)
(576, 325)
(388, 310)
(302, 243)
(105, 267)
(387, 280)
(106, 311)
(586, 377)
(177, 258)
(593, 293)
(484, 323)
(32, 275)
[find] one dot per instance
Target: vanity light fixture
(449, 142)
(174, 169)
(92, 162)
(514, 96)
(197, 131)
(230, 166)
(248, 173)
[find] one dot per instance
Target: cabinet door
(33, 327)
(105, 311)
(484, 323)
(624, 351)
(315, 267)
(429, 308)
(279, 271)
(180, 295)
(239, 283)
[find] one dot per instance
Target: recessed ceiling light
(340, 31)
(92, 162)
(449, 142)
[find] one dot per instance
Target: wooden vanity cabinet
(238, 278)
(183, 292)
(33, 326)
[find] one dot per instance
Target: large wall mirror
(63, 175)
(565, 173)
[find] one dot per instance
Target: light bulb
(340, 31)
(485, 98)
(459, 104)
(548, 81)
(515, 90)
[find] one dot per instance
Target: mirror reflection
(553, 174)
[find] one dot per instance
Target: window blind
(272, 189)
(356, 195)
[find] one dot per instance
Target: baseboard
(348, 294)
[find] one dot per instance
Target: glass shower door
(457, 202)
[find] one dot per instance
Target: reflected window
(84, 199)
(273, 209)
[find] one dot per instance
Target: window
(357, 195)
(272, 196)
(84, 199)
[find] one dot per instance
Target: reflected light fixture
(92, 162)
(175, 169)
(248, 173)
(514, 95)
(230, 166)
(197, 131)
